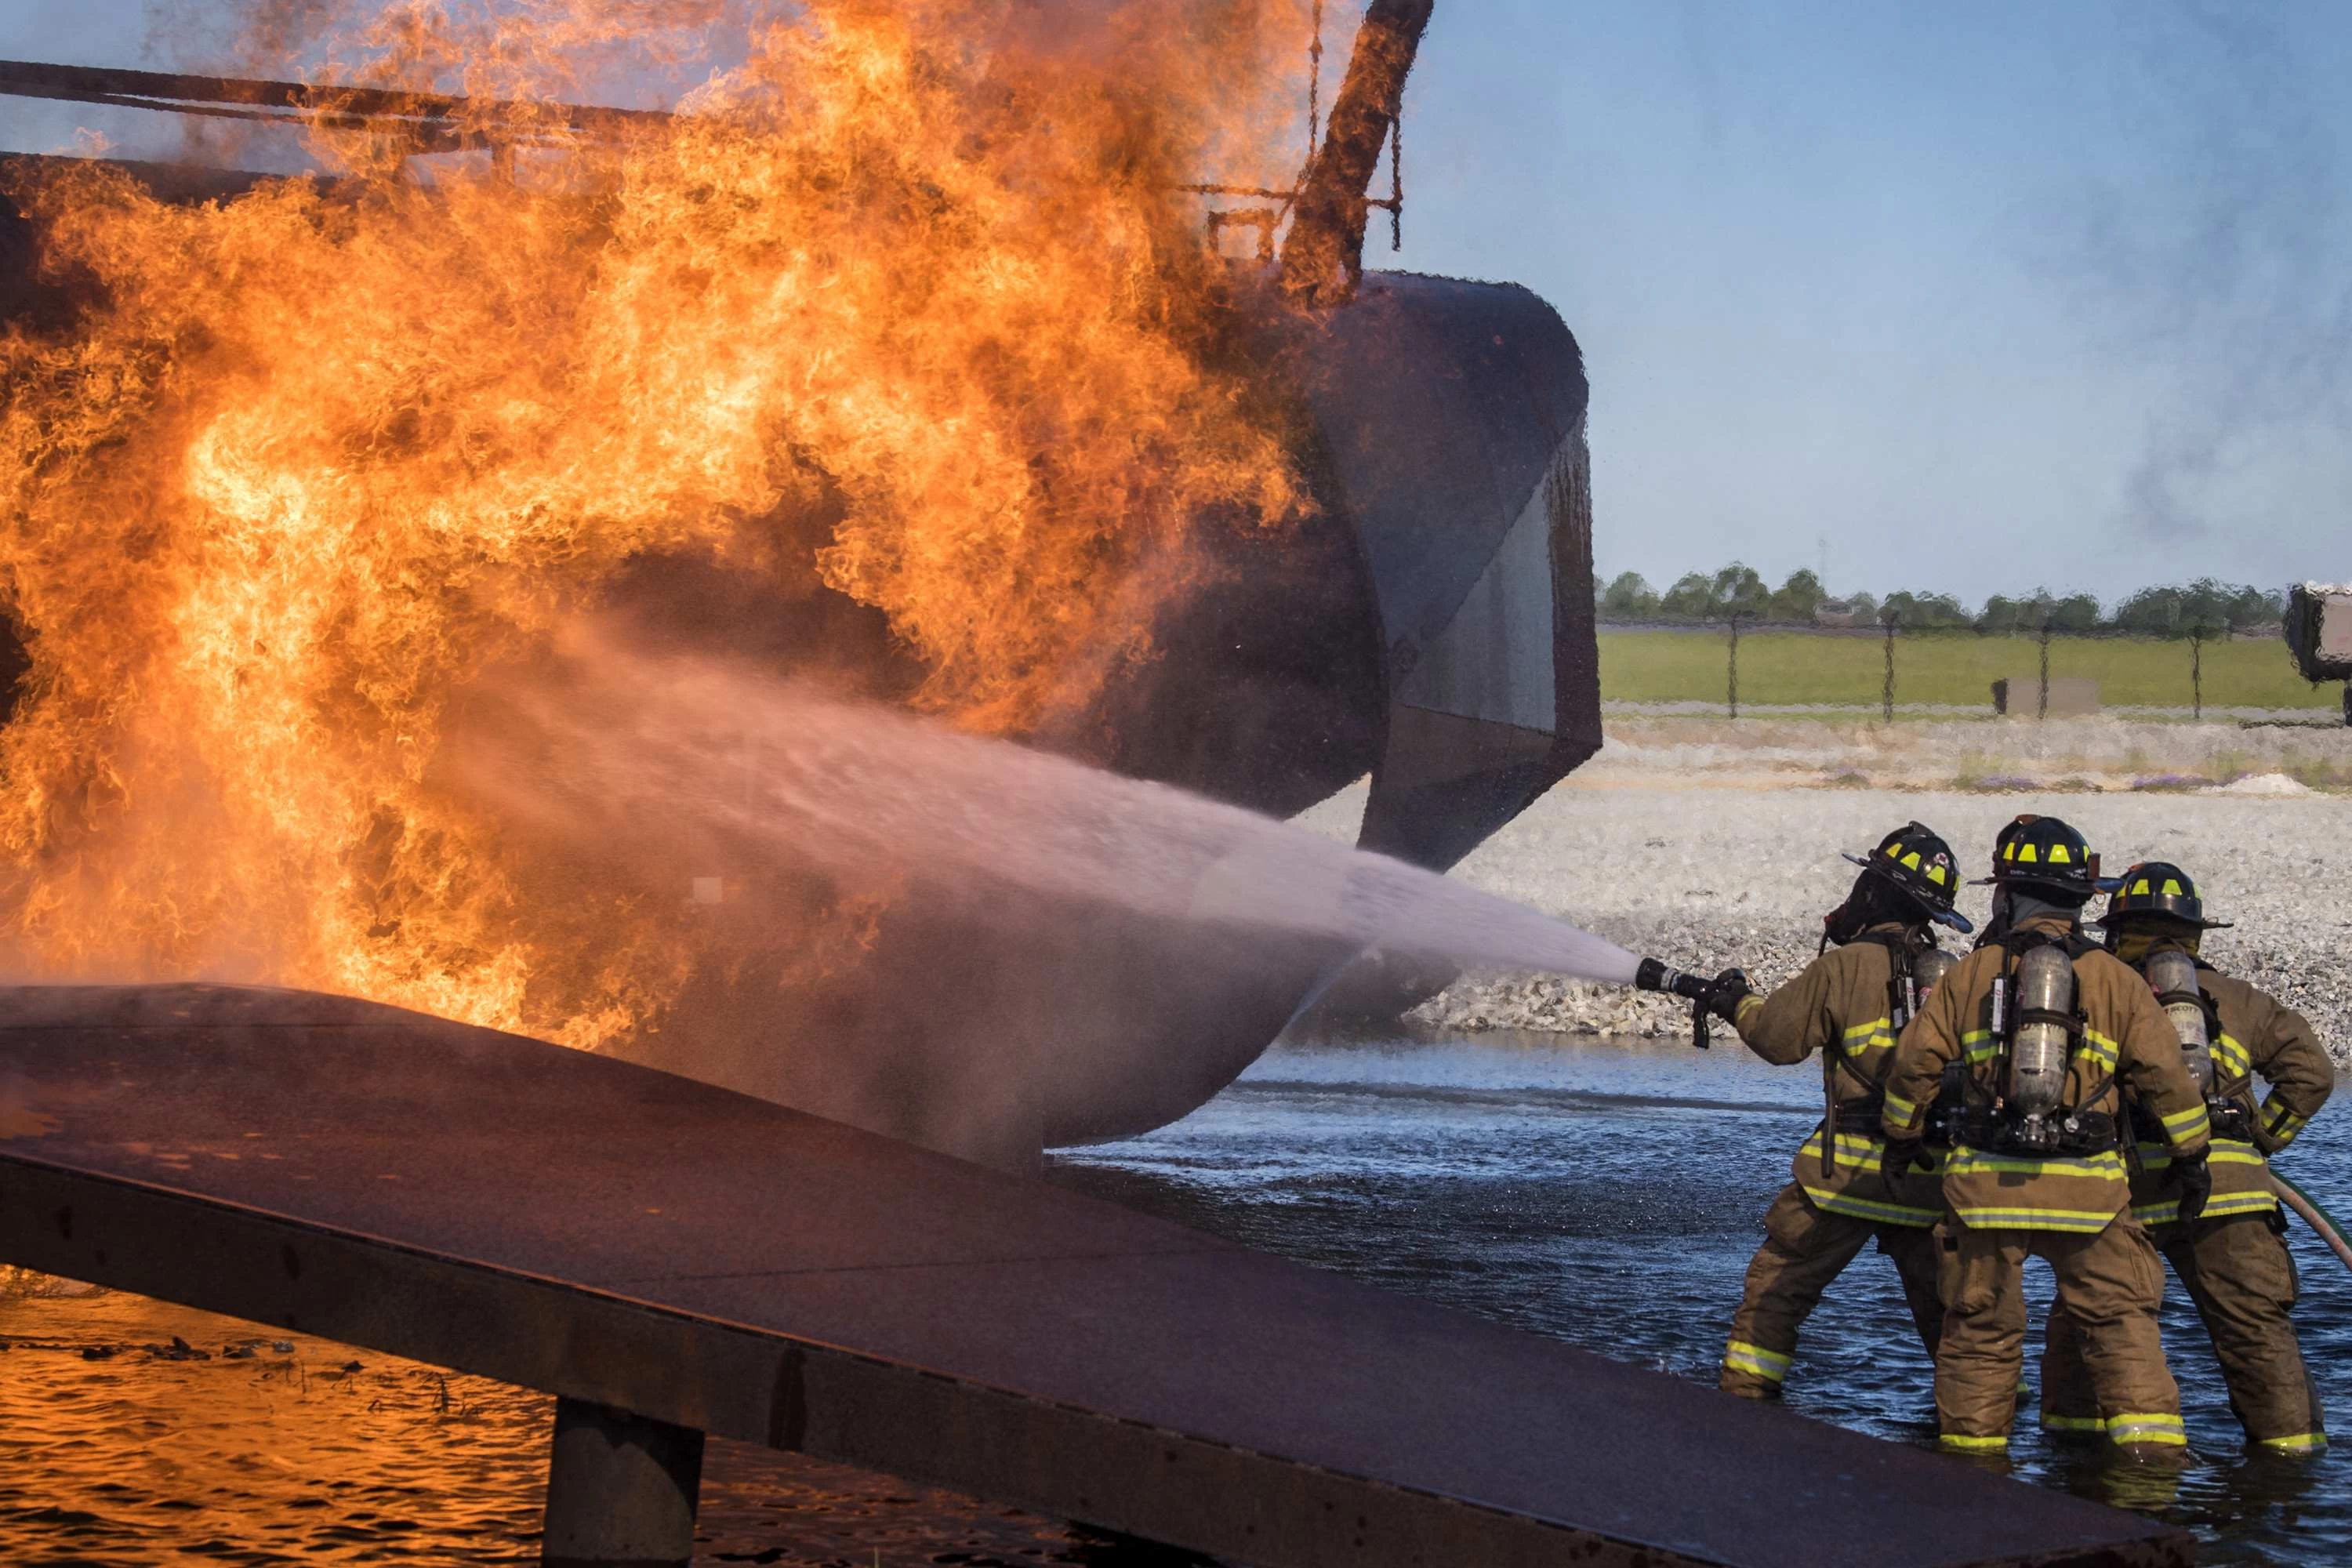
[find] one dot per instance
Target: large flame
(304, 462)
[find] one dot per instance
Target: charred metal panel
(632, 1239)
(1452, 417)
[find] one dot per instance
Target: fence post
(2197, 675)
(2042, 705)
(1886, 693)
(1731, 692)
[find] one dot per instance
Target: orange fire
(307, 461)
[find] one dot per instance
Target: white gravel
(1706, 876)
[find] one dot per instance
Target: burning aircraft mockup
(1394, 581)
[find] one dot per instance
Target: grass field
(1950, 670)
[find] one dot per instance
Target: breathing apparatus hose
(2318, 1219)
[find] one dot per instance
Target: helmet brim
(1952, 918)
(2157, 914)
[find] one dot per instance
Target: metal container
(2037, 1059)
(1927, 972)
(2173, 976)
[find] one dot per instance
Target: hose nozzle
(1654, 976)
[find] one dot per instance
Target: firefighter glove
(2195, 1180)
(1901, 1154)
(1731, 988)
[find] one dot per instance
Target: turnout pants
(2109, 1285)
(2238, 1271)
(1805, 1247)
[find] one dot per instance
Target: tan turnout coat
(1839, 1005)
(2129, 1046)
(2258, 1036)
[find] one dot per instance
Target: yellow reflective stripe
(2236, 1062)
(2281, 1123)
(2181, 1119)
(1872, 1036)
(2108, 1165)
(1871, 1209)
(2100, 1048)
(2072, 1423)
(2220, 1152)
(1901, 1114)
(2168, 1210)
(2301, 1443)
(1739, 1011)
(1978, 1046)
(2136, 1428)
(1967, 1445)
(1741, 1356)
(1847, 1143)
(2088, 1220)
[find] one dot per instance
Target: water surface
(1610, 1194)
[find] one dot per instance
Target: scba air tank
(1927, 972)
(2173, 976)
(2044, 1010)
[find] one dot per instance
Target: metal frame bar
(438, 122)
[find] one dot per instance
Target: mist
(937, 934)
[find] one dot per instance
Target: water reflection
(119, 1447)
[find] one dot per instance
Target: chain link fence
(1737, 664)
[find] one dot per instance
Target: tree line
(2203, 608)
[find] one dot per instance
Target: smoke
(1023, 949)
(2216, 266)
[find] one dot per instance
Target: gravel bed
(1708, 877)
(2096, 756)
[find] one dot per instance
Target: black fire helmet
(2160, 890)
(1921, 865)
(2043, 852)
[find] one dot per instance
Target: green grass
(1958, 670)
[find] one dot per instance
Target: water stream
(750, 771)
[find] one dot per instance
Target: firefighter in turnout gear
(2024, 1055)
(2231, 1257)
(1850, 1003)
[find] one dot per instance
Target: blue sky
(1970, 297)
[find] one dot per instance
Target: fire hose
(2318, 1219)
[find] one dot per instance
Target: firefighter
(2231, 1258)
(2023, 1055)
(1879, 954)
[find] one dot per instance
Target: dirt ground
(1708, 852)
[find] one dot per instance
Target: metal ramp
(672, 1260)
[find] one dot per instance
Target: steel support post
(621, 1491)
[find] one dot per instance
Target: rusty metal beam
(1324, 253)
(435, 122)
